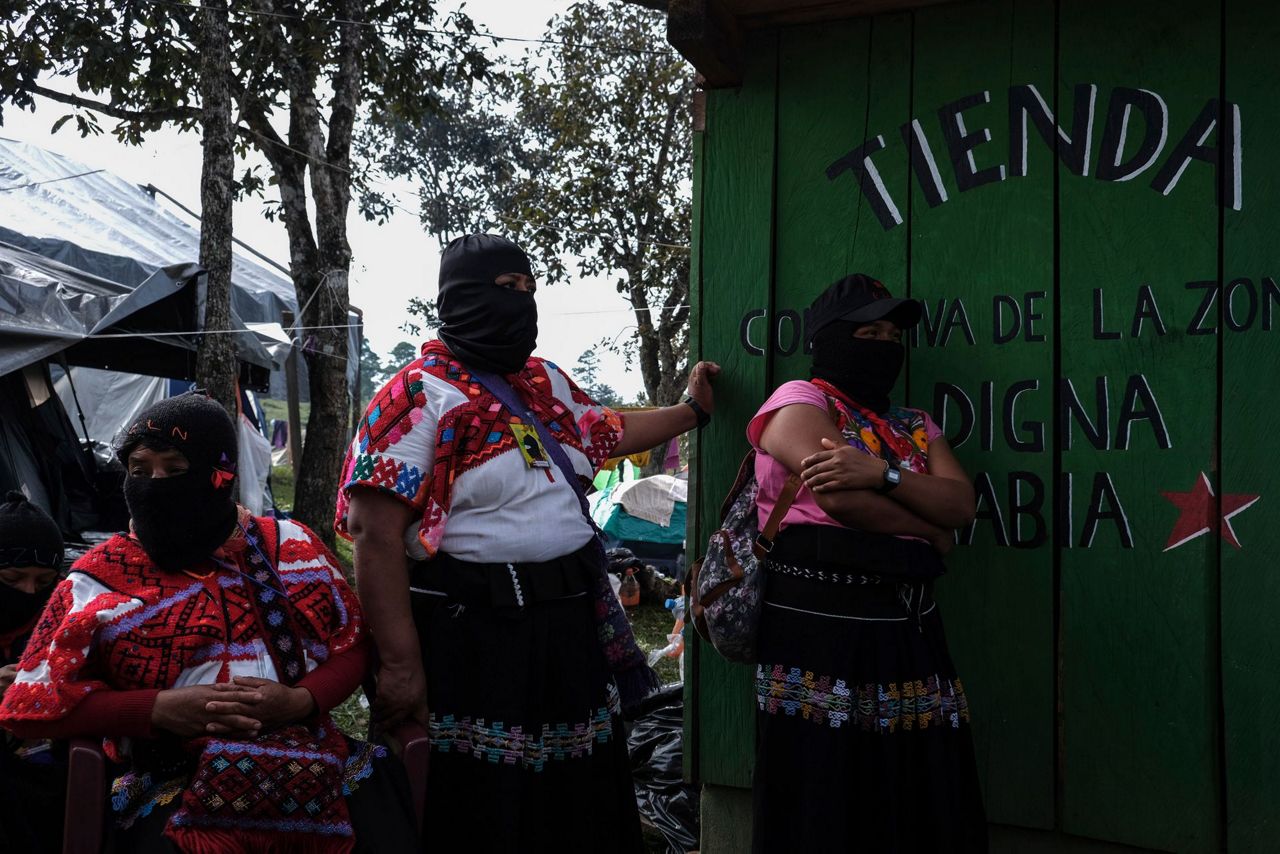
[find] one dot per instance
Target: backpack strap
(764, 540)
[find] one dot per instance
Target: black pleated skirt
(33, 798)
(528, 752)
(863, 726)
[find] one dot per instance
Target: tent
(48, 308)
(54, 317)
(95, 268)
(101, 224)
(646, 516)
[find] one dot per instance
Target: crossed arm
(842, 479)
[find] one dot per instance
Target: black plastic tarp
(48, 308)
(655, 743)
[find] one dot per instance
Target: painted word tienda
(1124, 153)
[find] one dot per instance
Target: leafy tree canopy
(582, 154)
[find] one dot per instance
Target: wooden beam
(756, 14)
(707, 35)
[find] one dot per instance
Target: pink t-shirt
(771, 474)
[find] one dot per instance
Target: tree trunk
(321, 464)
(327, 311)
(216, 367)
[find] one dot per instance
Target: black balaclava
(28, 537)
(181, 520)
(865, 369)
(489, 328)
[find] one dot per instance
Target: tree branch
(168, 114)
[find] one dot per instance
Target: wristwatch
(704, 417)
(892, 477)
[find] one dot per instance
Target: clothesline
(199, 332)
(50, 180)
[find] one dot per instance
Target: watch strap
(890, 483)
(704, 417)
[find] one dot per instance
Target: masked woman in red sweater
(208, 646)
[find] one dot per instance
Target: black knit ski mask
(489, 328)
(28, 537)
(180, 520)
(865, 369)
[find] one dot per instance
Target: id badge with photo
(530, 445)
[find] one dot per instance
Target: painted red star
(1197, 511)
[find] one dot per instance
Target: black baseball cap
(861, 299)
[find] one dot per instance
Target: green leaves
(581, 152)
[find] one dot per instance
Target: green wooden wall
(1084, 196)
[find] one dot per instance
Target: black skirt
(528, 752)
(863, 726)
(33, 796)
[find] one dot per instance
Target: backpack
(727, 586)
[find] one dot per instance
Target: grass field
(280, 409)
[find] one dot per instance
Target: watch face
(893, 475)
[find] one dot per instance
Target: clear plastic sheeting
(100, 224)
(111, 227)
(108, 401)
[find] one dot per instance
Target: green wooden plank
(693, 526)
(986, 248)
(840, 85)
(1138, 625)
(737, 226)
(1250, 463)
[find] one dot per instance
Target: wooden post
(291, 391)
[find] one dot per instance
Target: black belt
(504, 585)
(860, 575)
(843, 550)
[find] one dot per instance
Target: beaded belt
(822, 575)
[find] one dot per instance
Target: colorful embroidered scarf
(898, 436)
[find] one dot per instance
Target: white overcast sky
(392, 262)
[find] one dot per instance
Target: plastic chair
(85, 814)
(414, 748)
(86, 797)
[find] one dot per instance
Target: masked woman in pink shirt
(864, 740)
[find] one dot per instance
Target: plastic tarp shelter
(120, 340)
(101, 224)
(48, 309)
